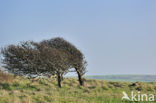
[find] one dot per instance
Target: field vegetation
(45, 90)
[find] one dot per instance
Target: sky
(116, 36)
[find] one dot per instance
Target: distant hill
(142, 78)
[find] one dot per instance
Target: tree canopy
(55, 56)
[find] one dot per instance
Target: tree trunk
(80, 78)
(59, 80)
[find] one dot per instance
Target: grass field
(24, 90)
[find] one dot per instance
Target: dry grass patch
(5, 77)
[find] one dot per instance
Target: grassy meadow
(24, 90)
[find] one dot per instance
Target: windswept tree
(23, 59)
(49, 57)
(55, 61)
(75, 57)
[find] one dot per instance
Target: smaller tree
(22, 59)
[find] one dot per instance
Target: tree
(49, 57)
(75, 57)
(22, 59)
(55, 61)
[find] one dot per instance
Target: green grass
(23, 90)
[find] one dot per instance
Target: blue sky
(116, 36)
